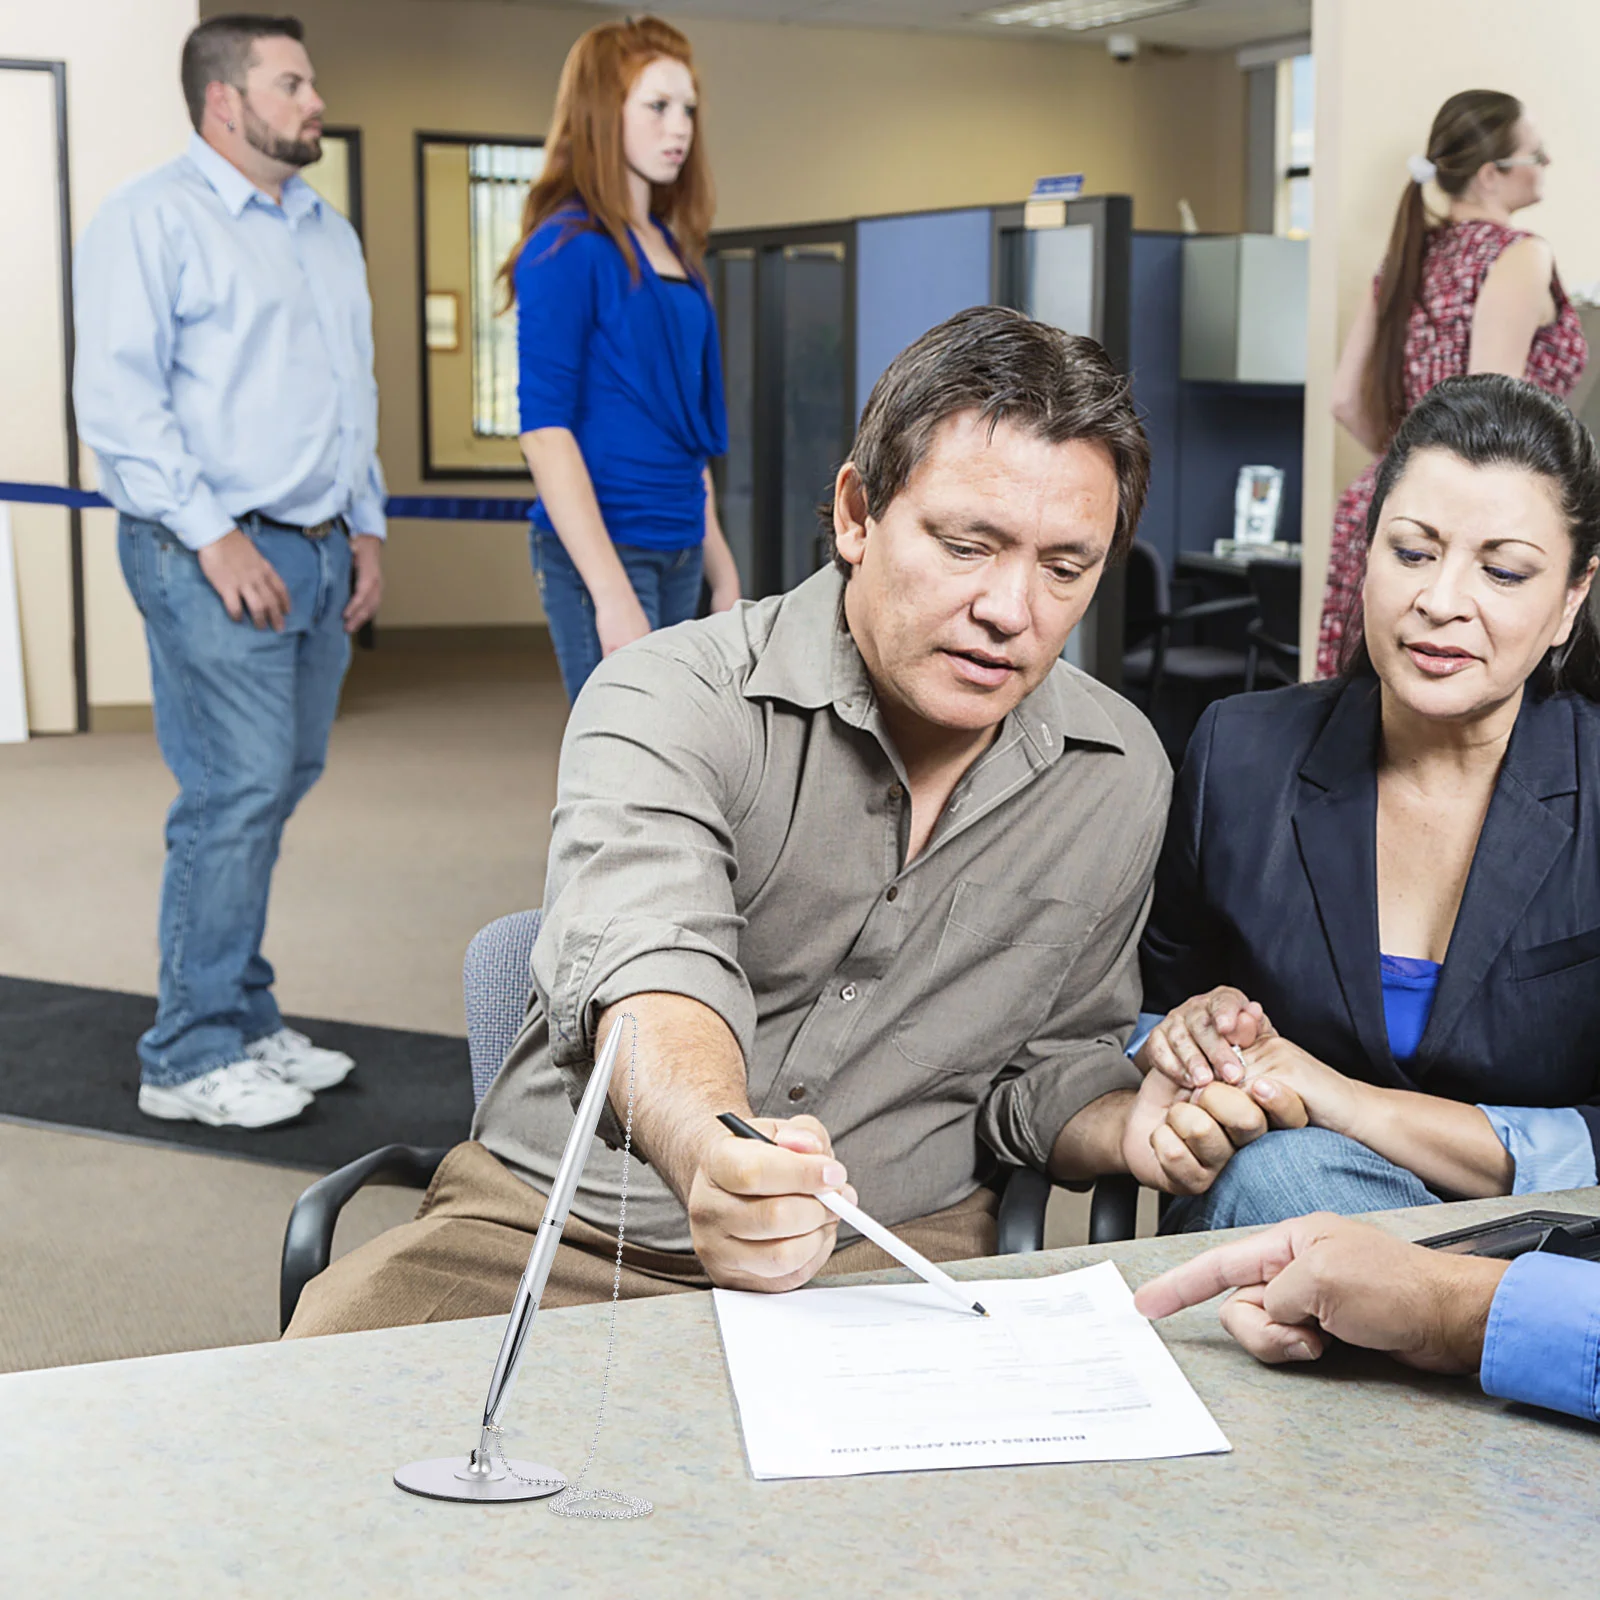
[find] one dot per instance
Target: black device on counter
(1556, 1233)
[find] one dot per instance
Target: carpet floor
(67, 1058)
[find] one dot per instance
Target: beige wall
(803, 124)
(1382, 72)
(124, 115)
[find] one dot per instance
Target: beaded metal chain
(574, 1500)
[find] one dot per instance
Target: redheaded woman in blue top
(621, 374)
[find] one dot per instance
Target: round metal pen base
(460, 1478)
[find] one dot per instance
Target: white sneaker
(295, 1060)
(243, 1094)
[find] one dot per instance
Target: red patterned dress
(1458, 257)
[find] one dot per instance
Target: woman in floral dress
(1468, 293)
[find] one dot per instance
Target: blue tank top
(1409, 985)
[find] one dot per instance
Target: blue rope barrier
(421, 507)
(47, 494)
(457, 508)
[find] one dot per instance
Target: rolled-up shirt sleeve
(1079, 1055)
(639, 894)
(126, 275)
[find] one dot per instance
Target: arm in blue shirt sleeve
(555, 317)
(366, 510)
(1142, 1029)
(127, 274)
(1550, 1147)
(366, 507)
(1542, 1344)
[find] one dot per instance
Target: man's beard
(291, 152)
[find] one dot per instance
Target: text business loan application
(891, 1378)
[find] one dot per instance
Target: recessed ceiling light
(1078, 15)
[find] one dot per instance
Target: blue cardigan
(632, 369)
(1268, 880)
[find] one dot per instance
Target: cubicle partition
(911, 273)
(1077, 277)
(786, 304)
(812, 315)
(1202, 430)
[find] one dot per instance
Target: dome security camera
(1122, 46)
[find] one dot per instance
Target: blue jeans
(667, 583)
(1290, 1172)
(242, 717)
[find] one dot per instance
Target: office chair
(1151, 658)
(1274, 635)
(495, 985)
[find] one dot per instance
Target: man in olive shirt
(866, 862)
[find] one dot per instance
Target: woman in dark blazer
(1379, 898)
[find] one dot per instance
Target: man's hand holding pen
(754, 1216)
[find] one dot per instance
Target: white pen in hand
(868, 1229)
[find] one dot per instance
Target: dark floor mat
(67, 1057)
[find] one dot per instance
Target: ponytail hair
(1491, 420)
(1472, 127)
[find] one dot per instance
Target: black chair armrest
(308, 1239)
(1258, 631)
(1230, 606)
(1114, 1210)
(1022, 1205)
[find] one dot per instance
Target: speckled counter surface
(265, 1471)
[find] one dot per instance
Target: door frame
(80, 642)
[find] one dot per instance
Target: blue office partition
(1155, 295)
(911, 273)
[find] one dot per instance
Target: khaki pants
(464, 1253)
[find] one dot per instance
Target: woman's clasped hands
(1217, 1077)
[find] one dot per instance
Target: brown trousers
(464, 1253)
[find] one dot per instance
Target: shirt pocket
(1559, 955)
(993, 979)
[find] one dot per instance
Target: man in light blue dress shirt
(1529, 1328)
(224, 380)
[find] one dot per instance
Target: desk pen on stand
(478, 1476)
(868, 1229)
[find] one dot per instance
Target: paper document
(892, 1378)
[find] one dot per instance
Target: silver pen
(548, 1239)
(870, 1229)
(479, 1476)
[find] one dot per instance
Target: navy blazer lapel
(1336, 826)
(1522, 839)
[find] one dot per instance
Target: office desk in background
(265, 1471)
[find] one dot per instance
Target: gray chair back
(495, 983)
